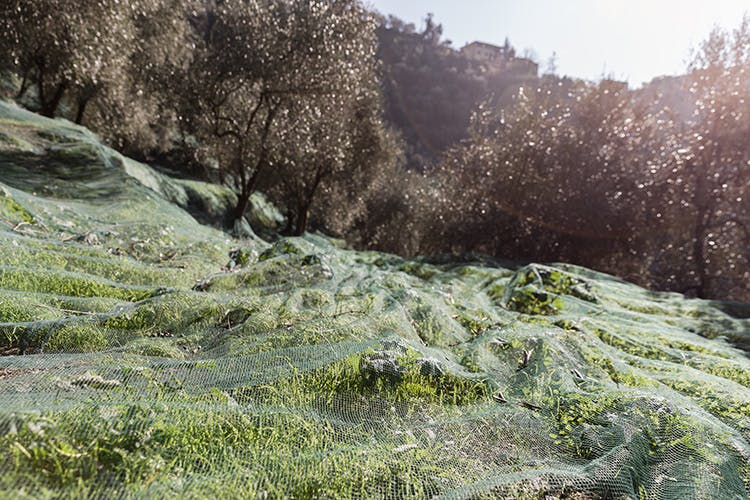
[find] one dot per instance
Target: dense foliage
(281, 93)
(370, 129)
(431, 89)
(650, 184)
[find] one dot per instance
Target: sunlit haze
(634, 40)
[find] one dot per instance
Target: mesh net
(139, 362)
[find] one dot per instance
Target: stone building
(500, 58)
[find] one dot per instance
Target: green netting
(142, 361)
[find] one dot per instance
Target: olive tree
(66, 48)
(253, 62)
(709, 184)
(551, 177)
(135, 110)
(336, 148)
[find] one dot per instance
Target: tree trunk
(701, 201)
(289, 226)
(247, 190)
(699, 257)
(49, 108)
(41, 89)
(248, 186)
(24, 84)
(303, 207)
(82, 103)
(301, 219)
(243, 202)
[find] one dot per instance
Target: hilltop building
(485, 52)
(500, 58)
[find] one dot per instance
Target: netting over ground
(140, 360)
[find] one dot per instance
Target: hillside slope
(140, 360)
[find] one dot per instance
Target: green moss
(315, 298)
(73, 155)
(94, 261)
(529, 300)
(475, 322)
(668, 431)
(726, 369)
(631, 347)
(422, 271)
(241, 257)
(54, 136)
(408, 381)
(640, 307)
(688, 346)
(160, 348)
(139, 446)
(13, 211)
(625, 377)
(496, 292)
(69, 284)
(728, 407)
(280, 248)
(555, 281)
(80, 337)
(573, 411)
(472, 362)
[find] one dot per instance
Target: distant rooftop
(500, 58)
(484, 44)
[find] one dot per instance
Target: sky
(633, 40)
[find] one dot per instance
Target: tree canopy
(369, 128)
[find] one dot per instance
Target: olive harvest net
(147, 355)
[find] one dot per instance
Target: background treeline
(431, 89)
(367, 128)
(651, 184)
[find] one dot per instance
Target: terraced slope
(141, 359)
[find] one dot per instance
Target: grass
(164, 359)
